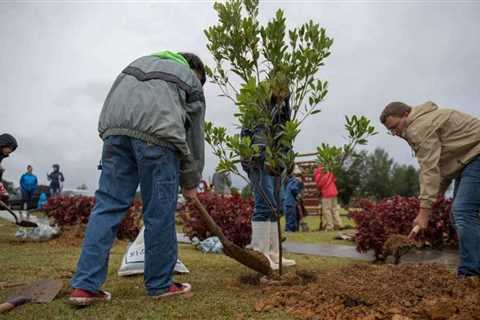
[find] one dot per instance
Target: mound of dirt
(398, 245)
(291, 278)
(370, 292)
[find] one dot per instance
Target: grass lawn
(314, 236)
(217, 291)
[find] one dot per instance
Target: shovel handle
(4, 205)
(12, 304)
(212, 226)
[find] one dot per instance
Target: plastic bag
(133, 261)
(41, 233)
(212, 244)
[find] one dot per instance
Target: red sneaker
(80, 297)
(175, 288)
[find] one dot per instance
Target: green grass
(318, 237)
(314, 235)
(217, 292)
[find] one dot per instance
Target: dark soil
(292, 278)
(397, 245)
(369, 292)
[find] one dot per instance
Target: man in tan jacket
(447, 146)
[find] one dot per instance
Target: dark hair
(196, 64)
(395, 109)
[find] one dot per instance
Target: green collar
(170, 55)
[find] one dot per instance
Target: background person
(28, 186)
(326, 184)
(56, 179)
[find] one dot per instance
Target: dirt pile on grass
(397, 246)
(369, 292)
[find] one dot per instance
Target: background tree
(404, 180)
(378, 174)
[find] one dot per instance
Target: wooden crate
(311, 196)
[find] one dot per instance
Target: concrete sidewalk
(448, 257)
(5, 215)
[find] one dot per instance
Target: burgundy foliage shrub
(68, 211)
(232, 215)
(377, 221)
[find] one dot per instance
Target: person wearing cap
(152, 130)
(291, 194)
(446, 143)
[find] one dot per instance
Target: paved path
(5, 215)
(448, 257)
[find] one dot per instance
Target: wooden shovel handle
(12, 304)
(6, 306)
(211, 225)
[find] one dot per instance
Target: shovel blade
(42, 291)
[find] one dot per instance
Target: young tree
(345, 162)
(256, 66)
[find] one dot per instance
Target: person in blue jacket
(28, 186)
(42, 199)
(293, 188)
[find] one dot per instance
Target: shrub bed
(70, 211)
(377, 221)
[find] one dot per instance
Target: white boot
(261, 240)
(274, 246)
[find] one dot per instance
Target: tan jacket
(444, 141)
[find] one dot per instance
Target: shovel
(42, 291)
(21, 223)
(249, 258)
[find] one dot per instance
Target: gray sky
(58, 61)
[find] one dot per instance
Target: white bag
(133, 261)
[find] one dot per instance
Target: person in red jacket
(326, 184)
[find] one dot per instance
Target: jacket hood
(7, 140)
(420, 111)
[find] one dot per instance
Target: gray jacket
(159, 101)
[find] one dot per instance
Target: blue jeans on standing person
(27, 197)
(292, 188)
(126, 163)
(466, 218)
(263, 186)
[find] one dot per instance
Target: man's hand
(189, 194)
(420, 222)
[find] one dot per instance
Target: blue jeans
(27, 197)
(466, 217)
(291, 218)
(126, 163)
(292, 188)
(263, 186)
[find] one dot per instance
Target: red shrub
(76, 210)
(232, 214)
(377, 221)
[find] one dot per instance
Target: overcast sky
(58, 61)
